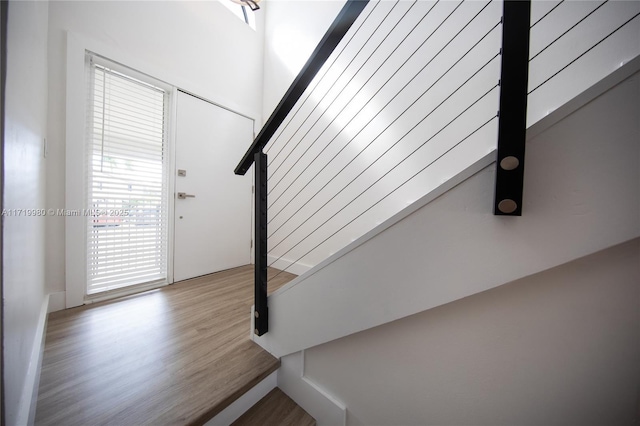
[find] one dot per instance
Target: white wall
(556, 348)
(450, 245)
(24, 188)
(3, 64)
(321, 180)
(198, 46)
(293, 29)
(324, 192)
(615, 50)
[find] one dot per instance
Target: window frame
(76, 152)
(92, 62)
(241, 12)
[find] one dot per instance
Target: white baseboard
(57, 301)
(288, 265)
(246, 401)
(27, 407)
(320, 404)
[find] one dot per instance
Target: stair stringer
(582, 195)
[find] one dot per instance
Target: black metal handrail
(512, 123)
(345, 19)
(317, 174)
(347, 16)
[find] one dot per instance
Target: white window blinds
(126, 182)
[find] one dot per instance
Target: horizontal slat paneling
(127, 186)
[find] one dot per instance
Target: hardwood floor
(275, 409)
(173, 356)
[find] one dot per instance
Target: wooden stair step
(275, 409)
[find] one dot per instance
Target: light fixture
(252, 4)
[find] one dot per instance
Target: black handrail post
(347, 16)
(512, 126)
(260, 282)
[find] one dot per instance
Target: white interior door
(213, 220)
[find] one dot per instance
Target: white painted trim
(288, 265)
(171, 208)
(56, 301)
(615, 78)
(320, 404)
(418, 204)
(75, 231)
(321, 392)
(124, 291)
(246, 401)
(625, 71)
(568, 216)
(326, 409)
(317, 392)
(28, 399)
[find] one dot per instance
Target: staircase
(447, 252)
(383, 171)
(401, 100)
(416, 236)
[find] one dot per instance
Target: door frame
(76, 155)
(174, 117)
(75, 231)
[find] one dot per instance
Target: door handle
(184, 195)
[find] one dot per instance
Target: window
(242, 11)
(126, 203)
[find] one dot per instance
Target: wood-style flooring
(173, 356)
(275, 409)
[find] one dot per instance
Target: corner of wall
(323, 407)
(56, 301)
(25, 301)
